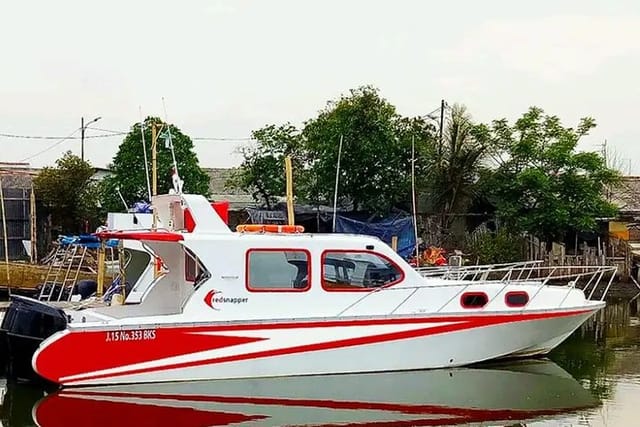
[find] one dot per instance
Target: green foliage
(451, 183)
(537, 183)
(375, 164)
(68, 193)
(263, 169)
(494, 247)
(541, 185)
(128, 171)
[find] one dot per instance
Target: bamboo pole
(154, 174)
(289, 175)
(394, 243)
(34, 227)
(122, 272)
(5, 237)
(101, 267)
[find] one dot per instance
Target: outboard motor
(26, 324)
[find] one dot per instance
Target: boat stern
(25, 325)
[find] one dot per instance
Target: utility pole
(82, 129)
(82, 138)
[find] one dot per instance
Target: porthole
(474, 300)
(516, 299)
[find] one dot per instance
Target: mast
(413, 197)
(144, 151)
(335, 193)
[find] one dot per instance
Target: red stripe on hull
(90, 351)
(55, 362)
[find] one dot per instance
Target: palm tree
(454, 169)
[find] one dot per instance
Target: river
(592, 379)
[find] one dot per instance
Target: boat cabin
(211, 272)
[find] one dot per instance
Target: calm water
(593, 379)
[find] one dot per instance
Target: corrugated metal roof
(627, 195)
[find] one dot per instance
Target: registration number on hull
(134, 335)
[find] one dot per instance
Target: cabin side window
(358, 270)
(278, 270)
(193, 269)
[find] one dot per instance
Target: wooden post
(154, 174)
(123, 275)
(289, 175)
(5, 238)
(101, 266)
(394, 243)
(34, 226)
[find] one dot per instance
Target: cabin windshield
(353, 269)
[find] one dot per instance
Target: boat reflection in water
(512, 392)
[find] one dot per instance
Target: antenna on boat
(126, 208)
(144, 150)
(413, 196)
(335, 193)
(177, 182)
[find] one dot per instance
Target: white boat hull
(253, 349)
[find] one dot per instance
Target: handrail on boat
(592, 275)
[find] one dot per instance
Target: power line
(197, 138)
(63, 139)
(248, 138)
(10, 135)
(113, 133)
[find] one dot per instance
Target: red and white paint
(222, 329)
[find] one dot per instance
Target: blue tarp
(141, 207)
(87, 240)
(384, 230)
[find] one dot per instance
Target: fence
(16, 208)
(614, 254)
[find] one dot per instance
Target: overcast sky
(228, 67)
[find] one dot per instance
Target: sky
(225, 68)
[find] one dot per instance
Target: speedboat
(273, 301)
(507, 393)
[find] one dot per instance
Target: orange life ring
(269, 228)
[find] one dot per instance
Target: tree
(375, 165)
(128, 166)
(262, 171)
(541, 184)
(454, 170)
(69, 194)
